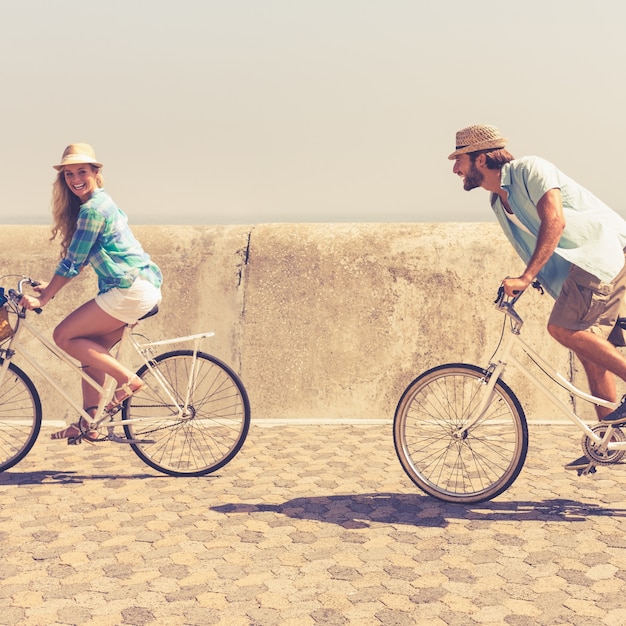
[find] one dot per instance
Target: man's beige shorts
(586, 303)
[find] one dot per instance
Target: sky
(262, 111)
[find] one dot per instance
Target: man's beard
(473, 179)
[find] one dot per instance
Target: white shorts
(129, 304)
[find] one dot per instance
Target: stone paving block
(309, 525)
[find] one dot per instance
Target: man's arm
(550, 211)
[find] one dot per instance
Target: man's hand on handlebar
(515, 286)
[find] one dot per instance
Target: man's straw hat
(477, 137)
(78, 153)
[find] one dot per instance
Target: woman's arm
(45, 293)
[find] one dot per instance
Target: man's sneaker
(580, 463)
(617, 417)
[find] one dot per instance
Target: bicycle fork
(601, 443)
(489, 382)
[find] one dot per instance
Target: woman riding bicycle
(94, 231)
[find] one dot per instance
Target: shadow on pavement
(360, 511)
(63, 478)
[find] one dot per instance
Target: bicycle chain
(154, 430)
(608, 457)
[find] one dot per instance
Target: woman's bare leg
(91, 396)
(79, 333)
(87, 334)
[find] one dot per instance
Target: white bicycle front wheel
(441, 454)
(20, 416)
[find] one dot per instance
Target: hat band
(82, 157)
(468, 145)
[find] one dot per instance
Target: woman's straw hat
(477, 137)
(78, 153)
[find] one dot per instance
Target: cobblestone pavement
(308, 525)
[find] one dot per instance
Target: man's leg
(601, 361)
(601, 384)
(599, 357)
(584, 320)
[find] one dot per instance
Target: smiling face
(81, 179)
(465, 167)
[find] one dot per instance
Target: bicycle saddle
(155, 309)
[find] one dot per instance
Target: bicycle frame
(144, 350)
(505, 357)
(15, 347)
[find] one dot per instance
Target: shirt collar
(96, 191)
(505, 175)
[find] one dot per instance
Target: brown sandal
(76, 432)
(126, 390)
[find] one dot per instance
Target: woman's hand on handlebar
(35, 302)
(39, 287)
(30, 302)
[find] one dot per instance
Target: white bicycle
(190, 418)
(460, 432)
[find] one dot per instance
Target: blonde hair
(65, 208)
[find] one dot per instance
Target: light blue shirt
(594, 237)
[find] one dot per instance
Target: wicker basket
(5, 327)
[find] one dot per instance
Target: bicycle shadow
(64, 477)
(361, 511)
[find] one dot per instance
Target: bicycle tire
(441, 458)
(213, 428)
(20, 416)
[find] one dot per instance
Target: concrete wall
(322, 321)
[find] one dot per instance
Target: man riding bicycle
(570, 240)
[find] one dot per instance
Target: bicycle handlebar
(507, 306)
(16, 295)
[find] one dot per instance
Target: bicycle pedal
(590, 469)
(76, 441)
